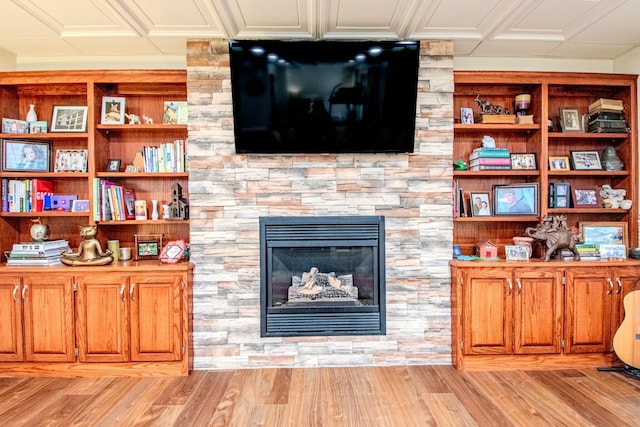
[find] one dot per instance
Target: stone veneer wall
(229, 192)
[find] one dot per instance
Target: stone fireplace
(228, 193)
(322, 276)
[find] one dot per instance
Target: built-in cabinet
(550, 92)
(554, 314)
(124, 319)
(145, 93)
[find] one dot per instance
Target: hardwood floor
(361, 396)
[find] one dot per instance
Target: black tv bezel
(407, 146)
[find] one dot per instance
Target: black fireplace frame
(317, 232)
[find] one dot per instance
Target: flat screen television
(324, 96)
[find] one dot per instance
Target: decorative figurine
(611, 198)
(610, 160)
(89, 251)
(179, 206)
(166, 212)
(39, 231)
(487, 108)
(133, 119)
(555, 234)
(147, 120)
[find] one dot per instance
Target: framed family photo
(69, 119)
(516, 199)
(71, 160)
(26, 155)
(480, 204)
(585, 160)
(559, 163)
(570, 120)
(112, 110)
(523, 161)
(586, 198)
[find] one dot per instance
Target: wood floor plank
(394, 396)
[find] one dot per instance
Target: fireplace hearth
(322, 276)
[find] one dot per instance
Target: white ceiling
(569, 29)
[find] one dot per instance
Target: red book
(39, 189)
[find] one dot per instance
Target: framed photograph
(41, 126)
(112, 110)
(585, 160)
(69, 119)
(26, 155)
(71, 160)
(79, 206)
(604, 233)
(113, 165)
(523, 161)
(480, 204)
(175, 113)
(147, 246)
(466, 115)
(560, 163)
(570, 120)
(140, 209)
(612, 251)
(516, 253)
(561, 195)
(14, 126)
(586, 198)
(516, 199)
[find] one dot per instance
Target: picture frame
(586, 197)
(612, 251)
(516, 253)
(147, 246)
(570, 120)
(562, 195)
(175, 113)
(112, 110)
(517, 199)
(604, 233)
(71, 160)
(480, 204)
(113, 165)
(466, 115)
(79, 206)
(559, 163)
(520, 161)
(69, 119)
(10, 125)
(25, 155)
(41, 126)
(585, 160)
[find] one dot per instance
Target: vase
(31, 114)
(154, 211)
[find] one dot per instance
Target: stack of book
(587, 251)
(484, 158)
(607, 116)
(37, 253)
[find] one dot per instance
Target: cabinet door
(48, 318)
(156, 317)
(538, 311)
(488, 311)
(588, 310)
(103, 318)
(11, 343)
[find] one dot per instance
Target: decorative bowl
(634, 253)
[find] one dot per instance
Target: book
(40, 246)
(42, 261)
(606, 103)
(489, 167)
(491, 161)
(129, 196)
(39, 189)
(489, 154)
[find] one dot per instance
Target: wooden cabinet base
(535, 362)
(69, 370)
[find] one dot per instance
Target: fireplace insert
(322, 276)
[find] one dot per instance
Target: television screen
(324, 96)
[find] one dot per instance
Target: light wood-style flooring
(357, 396)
